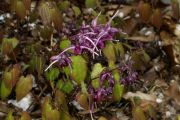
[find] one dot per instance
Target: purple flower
(91, 38)
(129, 75)
(103, 91)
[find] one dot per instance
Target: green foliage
(66, 86)
(65, 43)
(76, 10)
(79, 69)
(91, 3)
(8, 44)
(118, 90)
(24, 85)
(9, 116)
(97, 69)
(37, 64)
(52, 74)
(48, 113)
(5, 91)
(109, 52)
(64, 5)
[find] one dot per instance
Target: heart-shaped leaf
(4, 91)
(95, 83)
(76, 10)
(64, 5)
(82, 99)
(24, 85)
(66, 86)
(8, 44)
(109, 51)
(48, 113)
(97, 69)
(10, 78)
(52, 74)
(118, 90)
(79, 69)
(65, 43)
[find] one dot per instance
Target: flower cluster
(91, 38)
(104, 90)
(128, 77)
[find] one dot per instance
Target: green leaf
(119, 50)
(9, 116)
(118, 90)
(109, 51)
(7, 79)
(52, 74)
(65, 43)
(101, 19)
(4, 91)
(64, 5)
(48, 113)
(8, 44)
(11, 77)
(79, 69)
(96, 71)
(76, 10)
(91, 3)
(24, 85)
(66, 86)
(95, 83)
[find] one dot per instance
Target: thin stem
(58, 57)
(84, 47)
(94, 22)
(102, 34)
(51, 64)
(65, 50)
(113, 17)
(87, 38)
